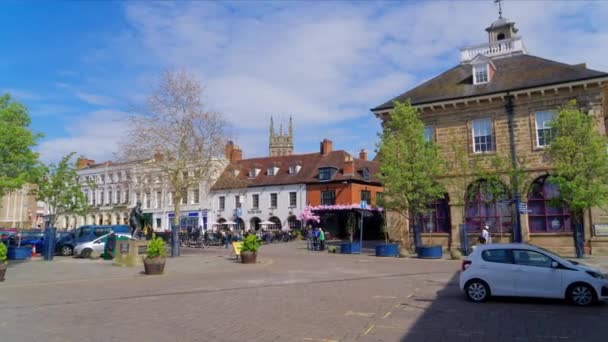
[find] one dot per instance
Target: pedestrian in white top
(485, 235)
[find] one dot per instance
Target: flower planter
(3, 266)
(154, 266)
(249, 257)
(430, 252)
(350, 248)
(387, 250)
(19, 253)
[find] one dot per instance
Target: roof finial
(499, 2)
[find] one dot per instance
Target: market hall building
(498, 100)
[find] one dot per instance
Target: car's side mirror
(554, 264)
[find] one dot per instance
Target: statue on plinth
(136, 220)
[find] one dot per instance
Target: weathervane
(499, 2)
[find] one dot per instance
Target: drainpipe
(517, 236)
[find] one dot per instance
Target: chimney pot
(363, 154)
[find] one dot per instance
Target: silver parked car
(85, 249)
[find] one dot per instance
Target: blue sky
(80, 66)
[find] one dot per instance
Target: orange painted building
(342, 179)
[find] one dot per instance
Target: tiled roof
(512, 73)
(308, 174)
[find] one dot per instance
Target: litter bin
(50, 240)
(110, 246)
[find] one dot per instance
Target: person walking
(485, 237)
(321, 239)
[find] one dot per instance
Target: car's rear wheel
(581, 294)
(66, 250)
(477, 291)
(86, 253)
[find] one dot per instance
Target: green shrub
(156, 248)
(3, 252)
(250, 244)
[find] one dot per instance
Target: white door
(499, 270)
(534, 275)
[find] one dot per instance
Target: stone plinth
(129, 253)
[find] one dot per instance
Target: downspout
(509, 107)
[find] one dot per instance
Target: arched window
(542, 217)
(488, 204)
(293, 222)
(437, 218)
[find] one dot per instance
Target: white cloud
(21, 95)
(327, 63)
(94, 99)
(95, 135)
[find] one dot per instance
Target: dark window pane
(496, 255)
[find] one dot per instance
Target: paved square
(290, 295)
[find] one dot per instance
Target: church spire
(271, 127)
(499, 2)
(290, 127)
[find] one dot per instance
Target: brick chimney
(349, 165)
(326, 147)
(363, 154)
(83, 162)
(233, 152)
(228, 149)
(158, 156)
(237, 154)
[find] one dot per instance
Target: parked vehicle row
(522, 270)
(85, 249)
(65, 245)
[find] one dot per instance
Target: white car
(521, 270)
(85, 249)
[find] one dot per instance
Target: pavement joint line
(388, 327)
(363, 314)
(318, 339)
(371, 327)
(387, 314)
(385, 297)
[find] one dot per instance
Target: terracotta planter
(154, 266)
(3, 266)
(249, 257)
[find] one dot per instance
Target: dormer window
(480, 73)
(365, 174)
(325, 173)
(293, 169)
(253, 172)
(272, 170)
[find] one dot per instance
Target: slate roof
(512, 73)
(308, 174)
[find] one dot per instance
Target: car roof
(506, 246)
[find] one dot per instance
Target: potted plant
(387, 249)
(428, 250)
(3, 262)
(249, 249)
(154, 262)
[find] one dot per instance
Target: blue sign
(195, 214)
(363, 204)
(239, 212)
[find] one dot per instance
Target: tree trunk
(405, 241)
(175, 252)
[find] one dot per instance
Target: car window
(531, 258)
(84, 231)
(100, 231)
(496, 255)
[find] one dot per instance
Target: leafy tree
(410, 165)
(578, 153)
(18, 163)
(58, 186)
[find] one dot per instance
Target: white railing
(501, 47)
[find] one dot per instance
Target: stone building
(20, 209)
(117, 187)
(498, 101)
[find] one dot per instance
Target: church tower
(280, 144)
